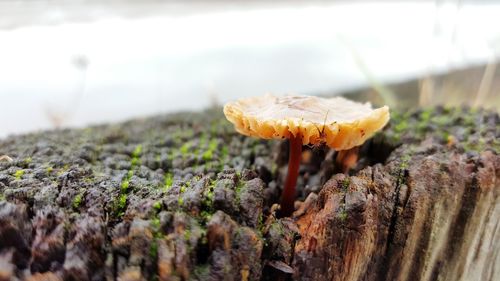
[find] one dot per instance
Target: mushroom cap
(337, 122)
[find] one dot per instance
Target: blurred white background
(72, 63)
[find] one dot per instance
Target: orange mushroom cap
(337, 122)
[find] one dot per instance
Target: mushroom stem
(288, 195)
(347, 159)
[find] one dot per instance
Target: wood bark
(184, 197)
(433, 216)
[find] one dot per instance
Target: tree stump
(183, 197)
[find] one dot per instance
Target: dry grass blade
(485, 86)
(5, 158)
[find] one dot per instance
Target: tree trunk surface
(184, 197)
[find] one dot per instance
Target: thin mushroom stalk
(288, 195)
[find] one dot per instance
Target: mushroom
(336, 122)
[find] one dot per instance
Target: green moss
(344, 189)
(62, 170)
(214, 128)
(134, 162)
(445, 136)
(125, 185)
(89, 180)
(187, 234)
(468, 119)
(18, 174)
(28, 160)
(343, 215)
(171, 156)
(277, 228)
(153, 249)
(441, 120)
(210, 196)
(208, 199)
(345, 184)
(401, 126)
(185, 148)
(225, 151)
(155, 224)
(240, 186)
(213, 145)
(205, 216)
(480, 145)
(207, 155)
(169, 180)
(157, 205)
(260, 224)
(158, 158)
(188, 133)
(182, 134)
(203, 138)
(274, 168)
(224, 157)
(202, 272)
(49, 169)
(77, 201)
(426, 114)
(137, 151)
(405, 160)
(180, 201)
(122, 202)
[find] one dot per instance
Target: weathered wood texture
(183, 197)
(434, 218)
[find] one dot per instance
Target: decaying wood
(435, 217)
(183, 197)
